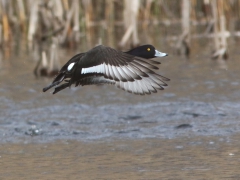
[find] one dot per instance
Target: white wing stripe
(144, 86)
(115, 72)
(128, 73)
(106, 70)
(122, 72)
(112, 76)
(94, 69)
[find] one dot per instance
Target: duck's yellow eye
(148, 49)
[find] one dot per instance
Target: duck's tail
(64, 73)
(60, 77)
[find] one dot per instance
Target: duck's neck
(135, 52)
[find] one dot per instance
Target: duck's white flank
(70, 66)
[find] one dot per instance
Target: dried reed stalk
(22, 15)
(5, 22)
(109, 17)
(88, 12)
(147, 12)
(0, 35)
(220, 32)
(130, 22)
(33, 21)
(183, 44)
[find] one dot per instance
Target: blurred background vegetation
(68, 23)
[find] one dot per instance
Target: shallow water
(189, 130)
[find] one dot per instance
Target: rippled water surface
(188, 131)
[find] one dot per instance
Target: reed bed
(69, 20)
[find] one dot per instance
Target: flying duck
(132, 71)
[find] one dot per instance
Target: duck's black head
(146, 51)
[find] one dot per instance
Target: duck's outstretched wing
(131, 73)
(115, 65)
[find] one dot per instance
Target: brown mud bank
(193, 157)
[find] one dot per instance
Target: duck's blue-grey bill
(160, 54)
